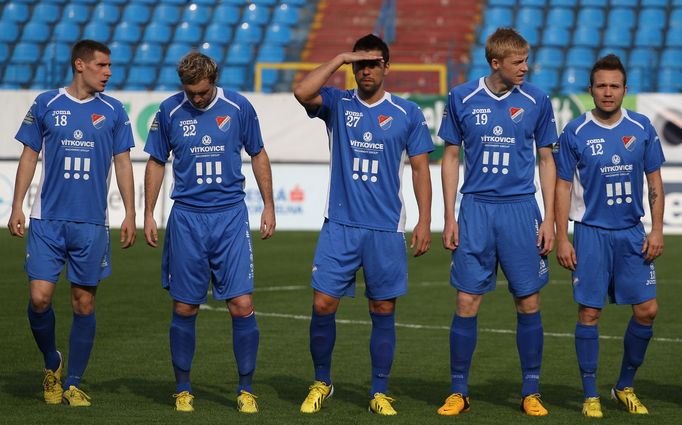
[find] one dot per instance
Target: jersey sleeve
(158, 144)
(450, 129)
(545, 129)
(565, 156)
(330, 97)
(419, 140)
(653, 153)
(123, 134)
(31, 130)
(251, 134)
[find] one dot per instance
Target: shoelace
(50, 379)
(316, 388)
(454, 399)
(250, 398)
(384, 398)
(80, 395)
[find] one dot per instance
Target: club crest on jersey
(629, 142)
(223, 122)
(385, 121)
(516, 114)
(97, 120)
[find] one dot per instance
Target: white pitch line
(430, 327)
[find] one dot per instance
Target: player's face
(512, 69)
(369, 75)
(200, 94)
(95, 73)
(608, 90)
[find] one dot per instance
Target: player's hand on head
(352, 57)
(151, 234)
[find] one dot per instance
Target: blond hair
(195, 67)
(504, 42)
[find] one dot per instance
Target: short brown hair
(195, 67)
(85, 51)
(504, 42)
(609, 62)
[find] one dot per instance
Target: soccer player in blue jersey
(602, 158)
(79, 130)
(499, 121)
(207, 240)
(371, 134)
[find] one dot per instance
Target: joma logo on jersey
(516, 114)
(98, 120)
(629, 142)
(385, 121)
(223, 122)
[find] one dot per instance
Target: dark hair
(372, 42)
(195, 67)
(609, 62)
(85, 51)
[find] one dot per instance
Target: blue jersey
(499, 135)
(607, 165)
(206, 146)
(368, 147)
(78, 139)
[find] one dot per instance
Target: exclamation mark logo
(365, 166)
(207, 170)
(200, 172)
(616, 191)
(495, 162)
(74, 164)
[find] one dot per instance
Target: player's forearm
(450, 179)
(124, 179)
(562, 204)
(153, 177)
(547, 171)
(263, 173)
(656, 199)
(25, 171)
(421, 181)
(309, 88)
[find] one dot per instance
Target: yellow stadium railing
(350, 79)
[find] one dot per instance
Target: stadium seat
(4, 52)
(217, 33)
(594, 3)
(536, 3)
(639, 80)
(561, 3)
(648, 37)
(75, 12)
(157, 32)
(148, 54)
(25, 52)
(623, 18)
(674, 37)
(140, 78)
(58, 53)
(196, 14)
(549, 57)
(642, 57)
(9, 31)
(617, 37)
(121, 53)
(560, 17)
(187, 33)
(285, 14)
(226, 14)
(545, 78)
(270, 53)
(175, 52)
(529, 17)
(575, 80)
(586, 36)
(654, 3)
(215, 51)
(18, 74)
(591, 16)
(118, 76)
(621, 53)
(15, 12)
(127, 32)
(88, 2)
(485, 33)
(277, 34)
(239, 54)
(106, 13)
(652, 18)
(46, 12)
(581, 57)
(264, 2)
(501, 2)
(671, 58)
(136, 14)
(478, 55)
(476, 72)
(532, 35)
(234, 2)
(256, 15)
(675, 18)
(153, 1)
(233, 76)
(303, 2)
(168, 76)
(669, 80)
(36, 32)
(624, 3)
(166, 14)
(246, 33)
(498, 17)
(67, 32)
(553, 36)
(98, 31)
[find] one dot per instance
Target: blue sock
(322, 339)
(81, 341)
(587, 351)
(182, 343)
(42, 326)
(463, 335)
(245, 337)
(382, 350)
(635, 344)
(529, 342)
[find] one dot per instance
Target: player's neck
(371, 98)
(605, 117)
(496, 85)
(79, 91)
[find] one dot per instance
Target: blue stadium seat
(591, 16)
(582, 57)
(669, 80)
(621, 53)
(46, 12)
(196, 14)
(529, 17)
(105, 12)
(57, 53)
(118, 1)
(239, 54)
(25, 52)
(648, 37)
(175, 52)
(98, 31)
(277, 34)
(485, 33)
(532, 35)
(671, 58)
(127, 32)
(594, 3)
(675, 18)
(18, 74)
(4, 52)
(246, 33)
(118, 76)
(234, 2)
(140, 78)
(623, 18)
(553, 36)
(9, 31)
(85, 1)
(136, 13)
(148, 54)
(77, 13)
(37, 32)
(215, 51)
(617, 37)
(168, 78)
(121, 53)
(561, 3)
(286, 14)
(639, 80)
(187, 33)
(151, 1)
(642, 57)
(157, 32)
(674, 37)
(166, 14)
(560, 17)
(270, 53)
(652, 18)
(586, 36)
(233, 77)
(15, 12)
(264, 2)
(226, 14)
(545, 78)
(575, 80)
(302, 2)
(217, 33)
(549, 57)
(624, 3)
(478, 55)
(498, 17)
(40, 77)
(67, 32)
(536, 3)
(476, 72)
(654, 3)
(256, 15)
(501, 2)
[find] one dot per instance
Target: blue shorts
(84, 246)
(500, 231)
(342, 250)
(205, 246)
(611, 262)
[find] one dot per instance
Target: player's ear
(79, 64)
(386, 66)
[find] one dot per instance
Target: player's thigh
(517, 225)
(231, 253)
(185, 270)
(384, 262)
(474, 262)
(592, 276)
(337, 259)
(45, 250)
(634, 277)
(89, 253)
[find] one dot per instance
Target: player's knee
(468, 304)
(83, 305)
(185, 310)
(589, 316)
(382, 307)
(240, 306)
(324, 306)
(645, 313)
(40, 302)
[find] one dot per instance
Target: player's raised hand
(545, 242)
(267, 223)
(451, 234)
(351, 57)
(151, 234)
(421, 239)
(17, 223)
(565, 253)
(653, 245)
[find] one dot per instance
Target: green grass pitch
(130, 377)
